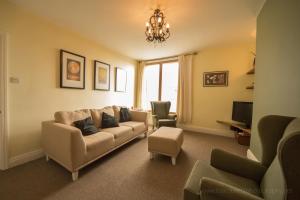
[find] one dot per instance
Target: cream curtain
(139, 83)
(184, 96)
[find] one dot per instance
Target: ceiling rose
(157, 30)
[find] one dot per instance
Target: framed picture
(72, 70)
(215, 79)
(101, 76)
(120, 80)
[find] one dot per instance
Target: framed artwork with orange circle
(72, 70)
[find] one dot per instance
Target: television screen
(242, 112)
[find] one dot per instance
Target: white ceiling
(120, 24)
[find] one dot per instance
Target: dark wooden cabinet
(242, 134)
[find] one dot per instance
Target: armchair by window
(161, 115)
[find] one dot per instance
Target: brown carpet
(127, 173)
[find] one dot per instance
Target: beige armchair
(230, 177)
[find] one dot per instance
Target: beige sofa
(65, 143)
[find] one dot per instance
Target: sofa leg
(47, 158)
(173, 160)
(151, 155)
(75, 176)
(146, 134)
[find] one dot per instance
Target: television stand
(242, 133)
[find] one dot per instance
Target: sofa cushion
(98, 144)
(108, 121)
(97, 115)
(121, 133)
(86, 126)
(116, 110)
(137, 127)
(124, 115)
(69, 117)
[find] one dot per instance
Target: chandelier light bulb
(147, 24)
(167, 25)
(159, 19)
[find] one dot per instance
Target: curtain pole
(169, 57)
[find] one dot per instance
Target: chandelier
(157, 30)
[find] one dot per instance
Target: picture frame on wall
(72, 70)
(120, 79)
(215, 79)
(101, 76)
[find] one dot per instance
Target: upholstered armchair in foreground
(161, 115)
(230, 177)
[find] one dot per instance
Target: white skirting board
(211, 131)
(36, 154)
(251, 156)
(26, 157)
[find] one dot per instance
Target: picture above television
(242, 112)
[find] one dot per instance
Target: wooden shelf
(251, 71)
(237, 125)
(251, 87)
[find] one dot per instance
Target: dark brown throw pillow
(124, 115)
(86, 126)
(108, 121)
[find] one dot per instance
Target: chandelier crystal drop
(157, 30)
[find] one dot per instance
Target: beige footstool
(166, 141)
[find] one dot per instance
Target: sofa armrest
(213, 189)
(139, 116)
(237, 165)
(63, 143)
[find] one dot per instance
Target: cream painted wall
(277, 77)
(213, 103)
(33, 58)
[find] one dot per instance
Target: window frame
(160, 63)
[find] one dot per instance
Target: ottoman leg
(173, 160)
(151, 155)
(75, 176)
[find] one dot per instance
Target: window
(150, 85)
(169, 84)
(160, 82)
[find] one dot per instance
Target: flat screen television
(242, 112)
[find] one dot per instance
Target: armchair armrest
(154, 121)
(155, 117)
(172, 116)
(139, 116)
(63, 143)
(237, 165)
(213, 189)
